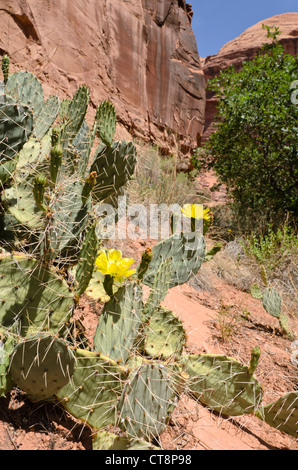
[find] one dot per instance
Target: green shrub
(254, 148)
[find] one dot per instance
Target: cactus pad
(223, 384)
(272, 302)
(282, 414)
(16, 125)
(164, 336)
(148, 398)
(92, 394)
(114, 167)
(105, 440)
(41, 365)
(6, 347)
(187, 254)
(32, 295)
(87, 258)
(119, 323)
(106, 122)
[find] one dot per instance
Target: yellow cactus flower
(111, 263)
(196, 211)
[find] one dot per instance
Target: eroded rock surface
(140, 54)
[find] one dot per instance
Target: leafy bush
(254, 149)
(273, 250)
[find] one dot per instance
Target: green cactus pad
(222, 383)
(41, 365)
(87, 258)
(82, 144)
(187, 254)
(105, 440)
(95, 289)
(25, 89)
(119, 323)
(114, 167)
(32, 295)
(74, 115)
(255, 291)
(46, 117)
(106, 122)
(164, 336)
(70, 217)
(160, 287)
(21, 205)
(272, 302)
(282, 414)
(6, 348)
(16, 125)
(148, 398)
(93, 393)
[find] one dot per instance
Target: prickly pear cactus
(119, 323)
(114, 166)
(105, 440)
(32, 296)
(41, 365)
(148, 397)
(16, 126)
(187, 254)
(92, 394)
(272, 302)
(223, 384)
(6, 348)
(164, 336)
(106, 122)
(282, 414)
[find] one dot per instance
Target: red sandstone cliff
(244, 47)
(140, 54)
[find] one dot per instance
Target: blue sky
(216, 22)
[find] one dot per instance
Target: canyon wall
(140, 54)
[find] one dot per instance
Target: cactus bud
(56, 160)
(146, 259)
(39, 186)
(90, 182)
(5, 67)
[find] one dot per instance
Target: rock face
(244, 47)
(140, 54)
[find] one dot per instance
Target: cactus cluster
(130, 376)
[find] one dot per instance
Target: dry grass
(157, 180)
